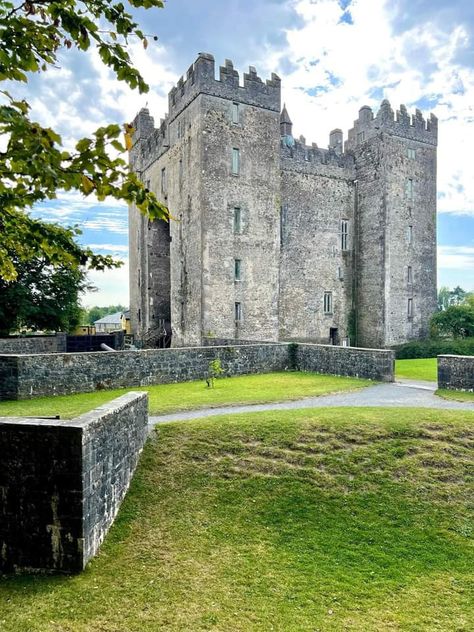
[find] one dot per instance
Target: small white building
(108, 324)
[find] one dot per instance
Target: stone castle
(274, 239)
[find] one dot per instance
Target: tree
(456, 321)
(35, 165)
(43, 296)
(96, 312)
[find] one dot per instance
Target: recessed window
(411, 153)
(360, 137)
(235, 113)
(163, 180)
(237, 220)
(235, 161)
(409, 274)
(139, 315)
(410, 234)
(410, 308)
(409, 189)
(340, 273)
(238, 312)
(237, 270)
(180, 172)
(344, 234)
(328, 302)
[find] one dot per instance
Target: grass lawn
(328, 520)
(419, 369)
(165, 398)
(459, 396)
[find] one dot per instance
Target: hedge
(434, 347)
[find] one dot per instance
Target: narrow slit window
(410, 234)
(411, 153)
(328, 302)
(344, 234)
(163, 180)
(238, 312)
(237, 220)
(409, 274)
(235, 161)
(410, 308)
(237, 270)
(409, 189)
(235, 113)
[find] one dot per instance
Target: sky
(333, 56)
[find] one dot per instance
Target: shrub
(433, 347)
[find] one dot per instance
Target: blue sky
(333, 57)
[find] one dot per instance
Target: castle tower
(395, 231)
(213, 271)
(286, 126)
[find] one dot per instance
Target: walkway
(404, 393)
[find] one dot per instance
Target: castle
(275, 239)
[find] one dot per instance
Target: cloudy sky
(333, 57)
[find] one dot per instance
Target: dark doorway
(333, 336)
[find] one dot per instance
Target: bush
(434, 347)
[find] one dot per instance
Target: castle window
(328, 302)
(235, 161)
(238, 312)
(409, 274)
(360, 137)
(180, 172)
(139, 315)
(235, 113)
(410, 234)
(409, 189)
(163, 180)
(237, 220)
(340, 273)
(411, 153)
(344, 234)
(237, 270)
(410, 308)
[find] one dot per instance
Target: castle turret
(286, 126)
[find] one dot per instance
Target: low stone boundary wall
(374, 364)
(26, 377)
(33, 344)
(456, 372)
(62, 482)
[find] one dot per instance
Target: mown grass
(331, 520)
(459, 396)
(419, 369)
(165, 398)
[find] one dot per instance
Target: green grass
(459, 396)
(165, 398)
(297, 521)
(419, 369)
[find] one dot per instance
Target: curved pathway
(404, 393)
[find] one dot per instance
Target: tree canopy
(35, 165)
(456, 320)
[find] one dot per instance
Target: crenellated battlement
(147, 140)
(309, 158)
(200, 78)
(399, 123)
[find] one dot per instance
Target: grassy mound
(310, 520)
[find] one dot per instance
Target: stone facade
(456, 372)
(276, 239)
(26, 377)
(62, 483)
(34, 344)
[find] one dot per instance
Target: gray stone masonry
(456, 372)
(62, 483)
(34, 344)
(58, 374)
(276, 238)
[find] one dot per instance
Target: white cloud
(351, 65)
(456, 257)
(112, 287)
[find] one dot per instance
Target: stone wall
(33, 344)
(375, 364)
(62, 482)
(26, 377)
(456, 372)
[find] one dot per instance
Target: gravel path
(404, 393)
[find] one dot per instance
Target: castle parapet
(413, 127)
(148, 142)
(297, 156)
(200, 79)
